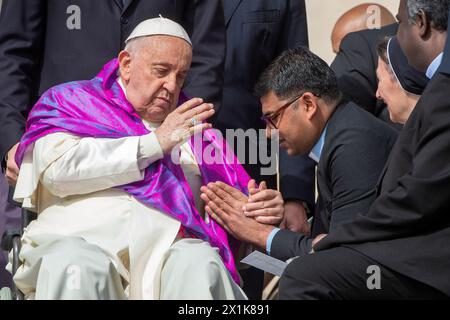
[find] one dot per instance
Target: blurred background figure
(355, 38)
(356, 60)
(325, 13)
(361, 17)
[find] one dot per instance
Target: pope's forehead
(167, 38)
(169, 51)
(167, 45)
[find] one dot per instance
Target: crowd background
(319, 27)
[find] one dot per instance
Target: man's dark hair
(435, 10)
(295, 72)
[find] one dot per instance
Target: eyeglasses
(271, 120)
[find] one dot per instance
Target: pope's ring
(193, 122)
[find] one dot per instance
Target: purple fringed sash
(98, 108)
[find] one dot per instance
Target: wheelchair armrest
(8, 237)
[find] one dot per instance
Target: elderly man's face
(153, 75)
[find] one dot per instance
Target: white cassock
(128, 249)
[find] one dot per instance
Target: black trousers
(344, 273)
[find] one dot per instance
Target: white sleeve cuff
(149, 150)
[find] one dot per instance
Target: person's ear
(310, 104)
(124, 65)
(423, 24)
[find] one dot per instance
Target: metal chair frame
(11, 240)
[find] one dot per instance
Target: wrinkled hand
(265, 205)
(223, 207)
(295, 218)
(177, 126)
(12, 170)
(221, 191)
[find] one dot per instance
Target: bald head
(363, 16)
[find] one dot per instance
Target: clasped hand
(247, 218)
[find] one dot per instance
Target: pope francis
(117, 218)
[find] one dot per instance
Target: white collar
(434, 66)
(119, 81)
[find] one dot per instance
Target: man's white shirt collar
(434, 66)
(317, 149)
(119, 81)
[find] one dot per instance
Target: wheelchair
(11, 240)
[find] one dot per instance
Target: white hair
(134, 45)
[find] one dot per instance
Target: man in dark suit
(356, 147)
(300, 98)
(355, 66)
(45, 43)
(399, 248)
(257, 32)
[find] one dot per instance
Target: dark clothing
(313, 277)
(355, 66)
(297, 178)
(407, 229)
(257, 32)
(45, 43)
(356, 148)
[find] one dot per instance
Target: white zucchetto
(159, 26)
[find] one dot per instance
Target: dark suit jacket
(38, 50)
(257, 32)
(356, 148)
(355, 66)
(407, 229)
